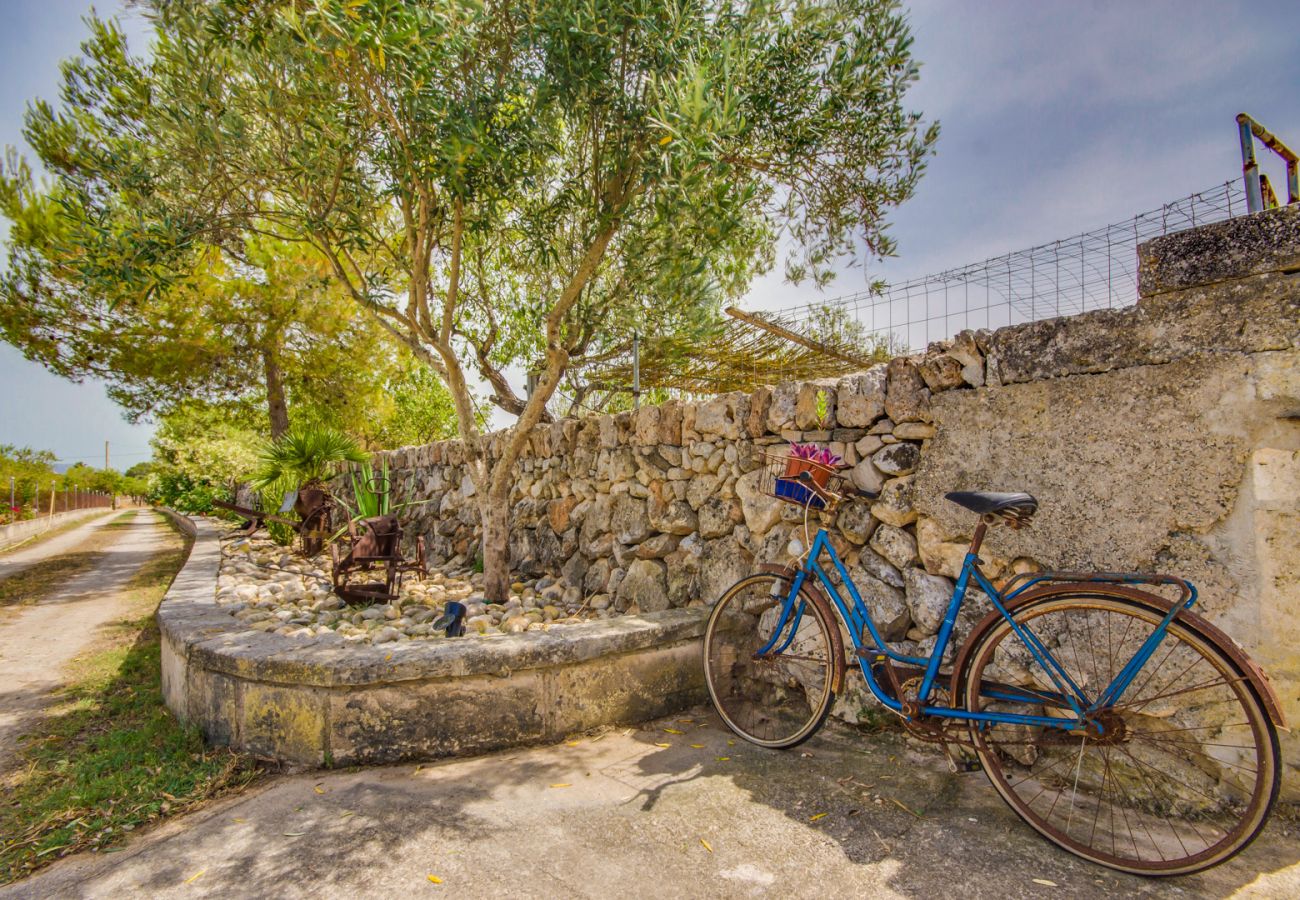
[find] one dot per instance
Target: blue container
(789, 489)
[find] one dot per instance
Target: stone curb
(212, 665)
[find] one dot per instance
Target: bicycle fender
(817, 598)
(1257, 677)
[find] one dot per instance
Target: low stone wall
(326, 702)
(1160, 437)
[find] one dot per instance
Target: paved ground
(37, 641)
(623, 815)
(14, 561)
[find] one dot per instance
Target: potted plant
(818, 462)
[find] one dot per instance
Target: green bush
(185, 494)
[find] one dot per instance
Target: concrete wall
(1161, 437)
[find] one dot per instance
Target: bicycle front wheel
(1176, 776)
(778, 698)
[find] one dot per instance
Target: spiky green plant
(306, 454)
(371, 502)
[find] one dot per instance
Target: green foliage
(30, 470)
(371, 492)
(305, 455)
(208, 444)
(495, 183)
(185, 493)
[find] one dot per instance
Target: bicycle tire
(1191, 785)
(782, 700)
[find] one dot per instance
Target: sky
(1056, 117)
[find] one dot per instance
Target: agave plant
(306, 454)
(371, 492)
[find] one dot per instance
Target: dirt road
(36, 642)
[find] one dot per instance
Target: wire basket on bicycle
(805, 475)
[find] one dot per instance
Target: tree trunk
(495, 514)
(275, 404)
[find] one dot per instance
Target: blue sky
(1057, 117)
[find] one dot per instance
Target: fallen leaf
(294, 833)
(195, 877)
(561, 784)
(663, 745)
(573, 743)
(318, 789)
(347, 814)
(814, 818)
(722, 758)
(673, 731)
(665, 140)
(697, 746)
(434, 878)
(900, 805)
(388, 657)
(239, 820)
(1045, 882)
(731, 743)
(706, 845)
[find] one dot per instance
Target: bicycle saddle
(1015, 509)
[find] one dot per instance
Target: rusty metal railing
(1259, 193)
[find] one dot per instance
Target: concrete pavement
(636, 813)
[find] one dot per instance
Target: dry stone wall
(1161, 437)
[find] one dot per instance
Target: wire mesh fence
(1093, 270)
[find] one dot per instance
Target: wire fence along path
(1093, 270)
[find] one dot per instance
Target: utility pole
(105, 456)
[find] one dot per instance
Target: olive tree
(504, 183)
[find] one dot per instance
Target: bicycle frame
(857, 617)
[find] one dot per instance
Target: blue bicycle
(1113, 720)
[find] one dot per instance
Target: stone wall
(1160, 437)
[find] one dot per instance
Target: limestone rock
(939, 555)
(723, 563)
(646, 585)
(780, 413)
(718, 517)
(879, 567)
(895, 545)
(861, 398)
(886, 603)
(897, 459)
(672, 517)
(658, 546)
(941, 372)
(894, 505)
(867, 477)
(927, 597)
(907, 399)
(856, 522)
(806, 401)
(628, 520)
(760, 510)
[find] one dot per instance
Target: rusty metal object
(1248, 130)
(374, 547)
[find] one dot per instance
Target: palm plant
(306, 454)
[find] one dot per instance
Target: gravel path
(674, 809)
(28, 556)
(37, 641)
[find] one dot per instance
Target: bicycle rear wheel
(781, 698)
(1182, 771)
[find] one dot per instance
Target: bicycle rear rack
(1029, 579)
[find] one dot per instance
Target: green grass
(111, 758)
